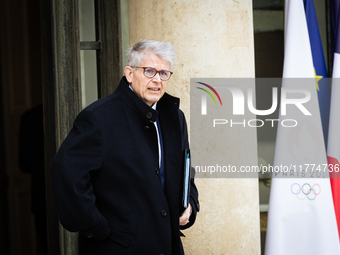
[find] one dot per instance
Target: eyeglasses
(150, 72)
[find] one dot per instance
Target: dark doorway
(21, 90)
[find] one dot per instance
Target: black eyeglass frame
(157, 72)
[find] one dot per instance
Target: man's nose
(157, 78)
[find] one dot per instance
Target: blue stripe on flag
(319, 63)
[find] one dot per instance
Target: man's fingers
(184, 219)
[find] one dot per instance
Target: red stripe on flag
(333, 163)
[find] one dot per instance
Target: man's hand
(184, 219)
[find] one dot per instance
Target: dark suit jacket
(106, 180)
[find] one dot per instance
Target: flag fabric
(333, 149)
(320, 70)
(301, 218)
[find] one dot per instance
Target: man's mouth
(154, 89)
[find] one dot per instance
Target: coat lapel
(172, 146)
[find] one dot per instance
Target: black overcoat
(106, 177)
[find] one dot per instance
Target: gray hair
(138, 52)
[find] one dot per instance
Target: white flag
(333, 150)
(301, 217)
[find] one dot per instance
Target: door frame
(62, 85)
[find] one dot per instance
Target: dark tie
(161, 170)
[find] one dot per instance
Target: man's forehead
(153, 60)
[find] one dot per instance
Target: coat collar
(146, 112)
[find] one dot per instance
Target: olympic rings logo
(305, 191)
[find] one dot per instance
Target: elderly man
(118, 176)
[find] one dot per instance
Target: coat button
(157, 170)
(147, 128)
(89, 235)
(163, 213)
(149, 115)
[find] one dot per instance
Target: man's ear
(128, 73)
